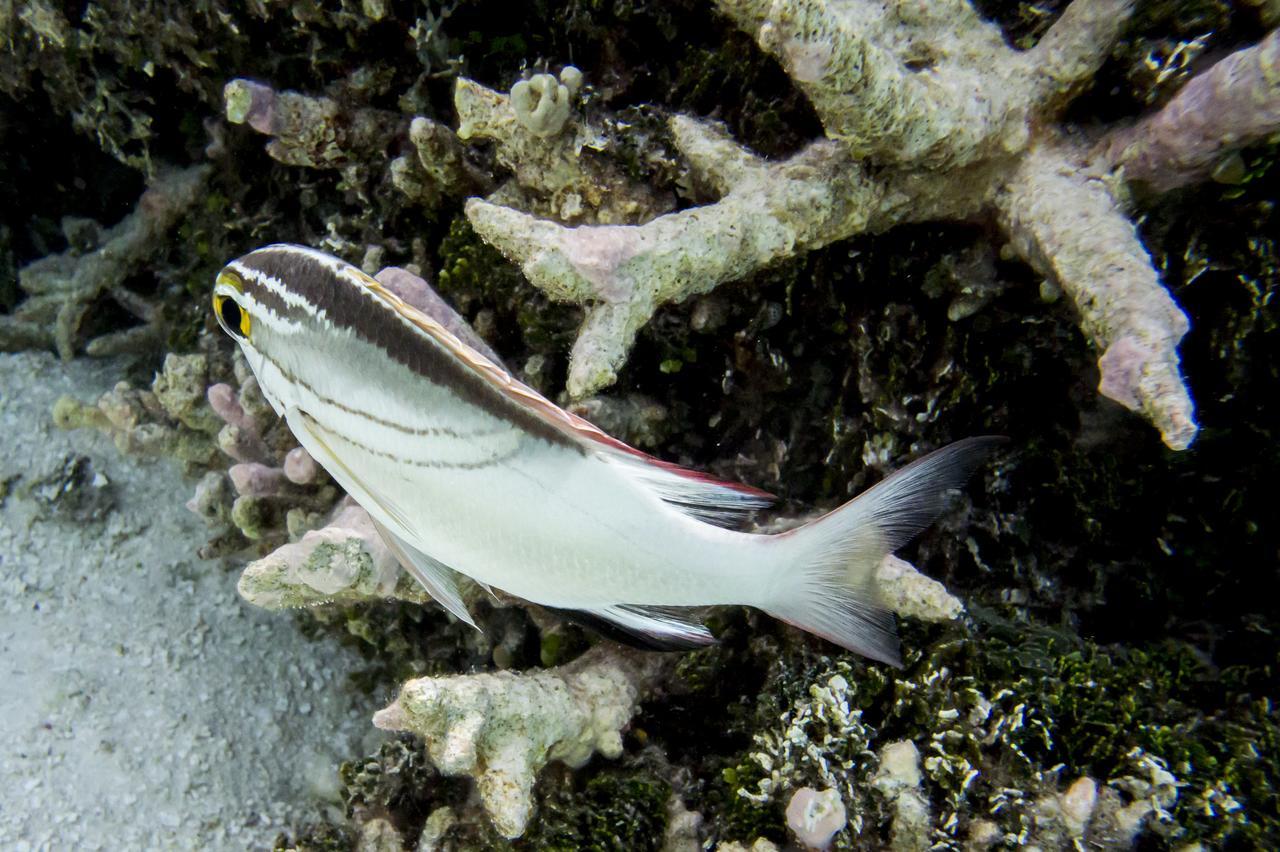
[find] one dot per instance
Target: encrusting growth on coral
(502, 728)
(815, 817)
(345, 561)
(908, 141)
(64, 290)
(555, 172)
(307, 130)
(1233, 104)
(899, 780)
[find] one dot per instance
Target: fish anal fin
(647, 628)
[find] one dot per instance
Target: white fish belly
(556, 527)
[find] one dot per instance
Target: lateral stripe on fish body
(465, 469)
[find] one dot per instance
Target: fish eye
(231, 316)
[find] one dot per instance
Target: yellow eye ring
(233, 319)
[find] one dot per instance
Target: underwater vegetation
(795, 245)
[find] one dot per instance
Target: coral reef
(345, 561)
(166, 420)
(809, 241)
(307, 131)
(979, 766)
(555, 172)
(257, 488)
(894, 89)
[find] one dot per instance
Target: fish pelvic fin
(825, 575)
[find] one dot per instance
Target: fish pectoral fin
(440, 581)
(651, 628)
(312, 435)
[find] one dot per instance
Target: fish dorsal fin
(440, 581)
(696, 494)
(651, 628)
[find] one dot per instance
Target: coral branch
(502, 728)
(897, 85)
(1077, 44)
(309, 131)
(906, 591)
(625, 273)
(417, 292)
(64, 289)
(1233, 104)
(1071, 230)
(440, 167)
(344, 562)
(169, 419)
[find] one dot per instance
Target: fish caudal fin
(826, 569)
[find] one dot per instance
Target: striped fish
(466, 470)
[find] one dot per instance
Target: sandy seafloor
(143, 705)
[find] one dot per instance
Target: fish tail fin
(825, 580)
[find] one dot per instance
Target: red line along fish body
(466, 470)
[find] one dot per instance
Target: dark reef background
(1124, 593)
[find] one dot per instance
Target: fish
(465, 470)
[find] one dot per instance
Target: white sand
(143, 705)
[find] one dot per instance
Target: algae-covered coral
(803, 242)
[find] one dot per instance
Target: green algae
(613, 809)
(475, 277)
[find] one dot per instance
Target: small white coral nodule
(816, 817)
(541, 104)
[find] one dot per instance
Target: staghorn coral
(65, 290)
(503, 728)
(1232, 105)
(907, 141)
